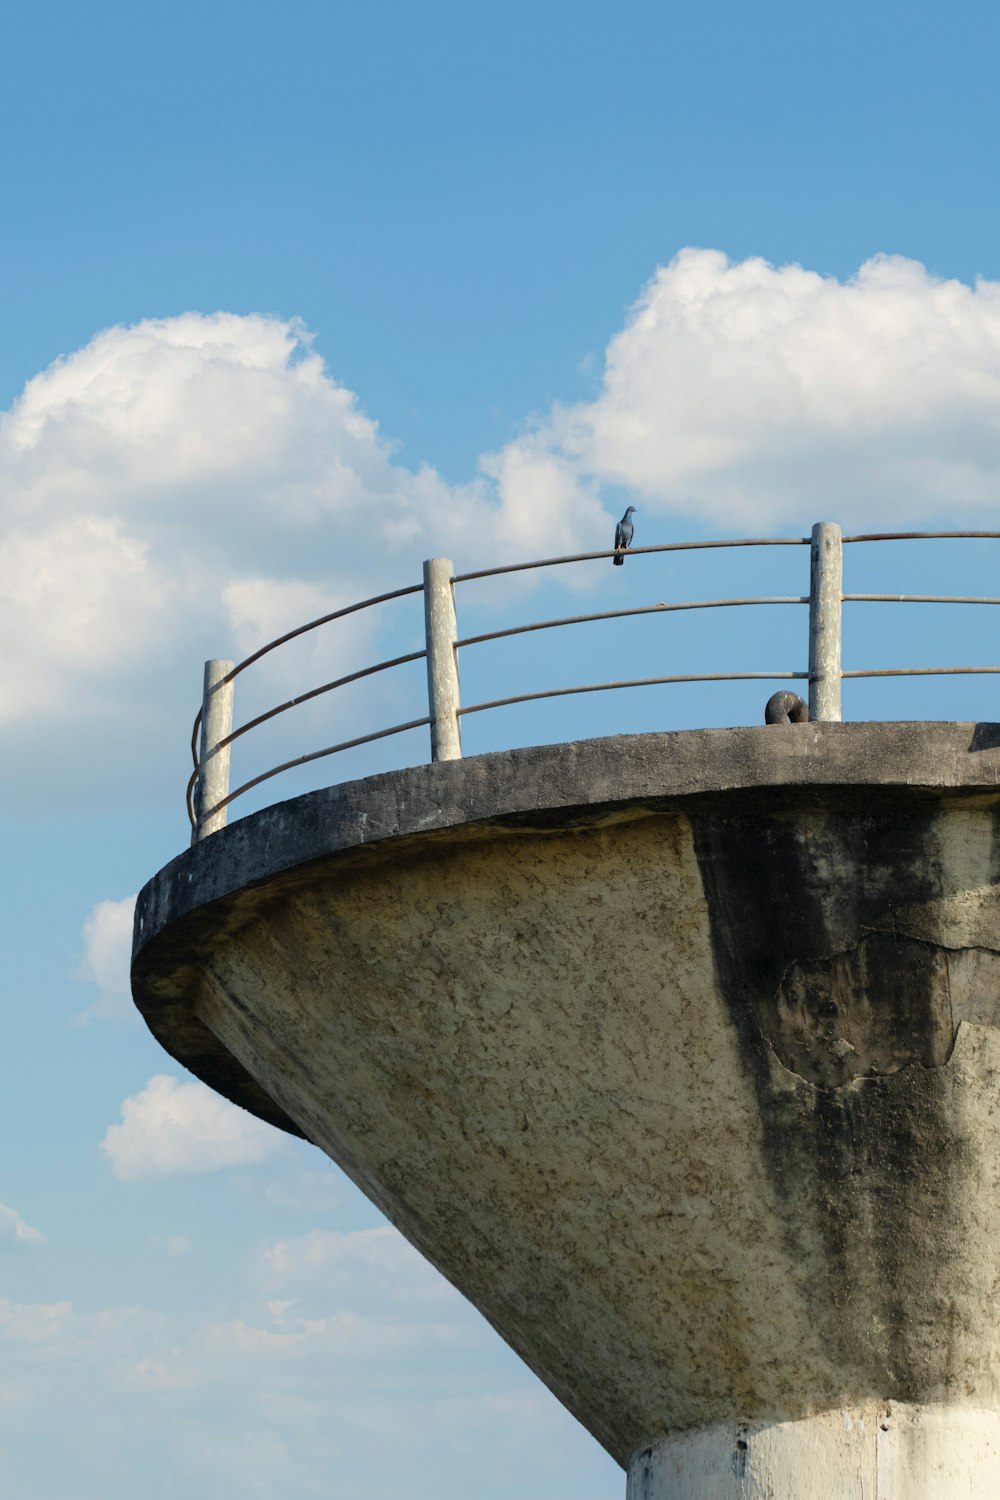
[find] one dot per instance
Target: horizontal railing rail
(576, 557)
(632, 682)
(920, 536)
(205, 805)
(281, 708)
(661, 608)
(291, 635)
(919, 599)
(302, 760)
(208, 796)
(922, 672)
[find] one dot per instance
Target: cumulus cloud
(750, 393)
(15, 1234)
(107, 951)
(171, 1128)
(187, 486)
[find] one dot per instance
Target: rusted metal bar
(621, 614)
(189, 789)
(786, 708)
(189, 800)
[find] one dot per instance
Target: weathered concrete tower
(677, 1053)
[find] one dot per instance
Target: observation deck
(213, 736)
(677, 1052)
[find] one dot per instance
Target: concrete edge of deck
(221, 881)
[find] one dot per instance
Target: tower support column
(879, 1450)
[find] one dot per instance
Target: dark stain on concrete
(875, 1008)
(813, 971)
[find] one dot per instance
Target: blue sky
(294, 298)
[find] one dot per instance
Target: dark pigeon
(623, 536)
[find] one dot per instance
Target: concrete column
(442, 664)
(826, 582)
(213, 774)
(878, 1450)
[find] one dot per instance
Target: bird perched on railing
(623, 536)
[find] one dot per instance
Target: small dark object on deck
(623, 536)
(786, 708)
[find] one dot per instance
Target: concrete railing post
(442, 663)
(826, 581)
(213, 763)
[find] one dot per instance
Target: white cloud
(84, 601)
(345, 1335)
(313, 1382)
(173, 1128)
(182, 488)
(34, 1322)
(259, 609)
(17, 1394)
(305, 1187)
(520, 1409)
(107, 953)
(151, 1374)
(52, 1334)
(760, 395)
(173, 1244)
(548, 503)
(381, 1259)
(15, 1234)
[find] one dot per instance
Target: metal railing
(208, 794)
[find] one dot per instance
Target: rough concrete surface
(677, 1053)
(881, 1450)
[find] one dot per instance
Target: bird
(623, 536)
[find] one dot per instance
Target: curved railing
(208, 794)
(226, 678)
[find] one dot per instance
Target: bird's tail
(618, 559)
